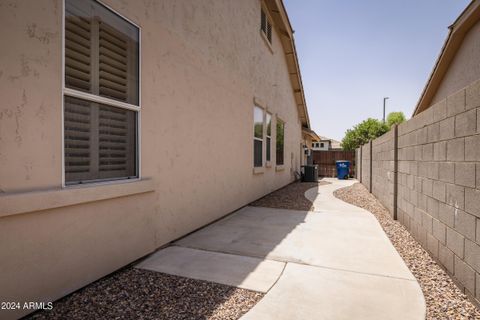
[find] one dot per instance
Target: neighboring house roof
(467, 19)
(334, 144)
(280, 17)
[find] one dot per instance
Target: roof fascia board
(279, 14)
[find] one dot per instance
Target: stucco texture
(202, 65)
(464, 68)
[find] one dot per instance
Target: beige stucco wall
(465, 67)
(203, 62)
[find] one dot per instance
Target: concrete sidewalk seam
(279, 276)
(291, 261)
(352, 271)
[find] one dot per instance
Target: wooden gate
(326, 162)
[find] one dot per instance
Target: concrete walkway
(331, 263)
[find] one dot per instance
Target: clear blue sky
(353, 53)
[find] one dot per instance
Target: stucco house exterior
(98, 99)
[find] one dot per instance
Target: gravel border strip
(142, 294)
(443, 298)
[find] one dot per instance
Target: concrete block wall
(365, 165)
(383, 165)
(438, 182)
(358, 156)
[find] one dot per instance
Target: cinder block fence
(426, 172)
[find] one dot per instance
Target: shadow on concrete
(239, 243)
(251, 231)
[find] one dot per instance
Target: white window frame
(263, 135)
(268, 161)
(103, 100)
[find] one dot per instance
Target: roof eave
(311, 133)
(280, 16)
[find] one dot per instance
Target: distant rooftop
(334, 143)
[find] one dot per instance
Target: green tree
(395, 118)
(362, 133)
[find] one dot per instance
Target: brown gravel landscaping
(291, 196)
(444, 299)
(142, 294)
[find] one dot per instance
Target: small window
(280, 142)
(266, 25)
(322, 145)
(257, 137)
(101, 101)
(269, 136)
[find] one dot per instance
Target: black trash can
(310, 173)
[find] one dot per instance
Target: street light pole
(384, 101)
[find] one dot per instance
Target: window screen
(101, 59)
(269, 137)
(280, 142)
(266, 25)
(258, 137)
(101, 52)
(263, 21)
(269, 31)
(100, 141)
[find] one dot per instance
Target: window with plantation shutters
(263, 21)
(266, 25)
(101, 101)
(78, 52)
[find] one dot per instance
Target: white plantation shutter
(101, 58)
(113, 62)
(100, 141)
(78, 139)
(263, 21)
(116, 142)
(266, 25)
(78, 50)
(269, 31)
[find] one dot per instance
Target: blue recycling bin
(343, 169)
